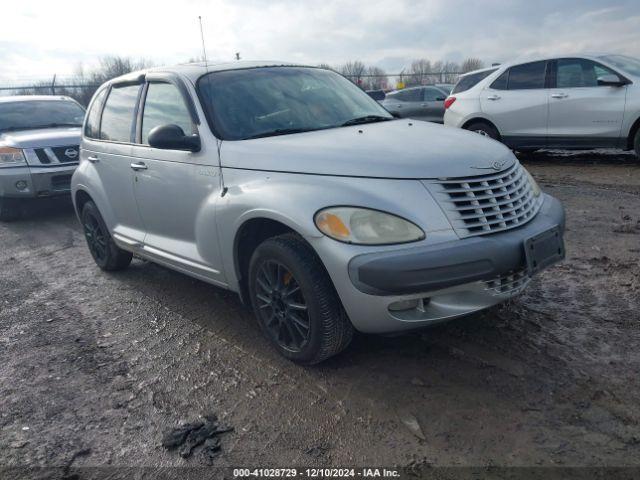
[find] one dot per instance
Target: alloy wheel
(96, 238)
(282, 306)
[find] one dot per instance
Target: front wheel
(9, 209)
(484, 129)
(106, 254)
(636, 143)
(295, 302)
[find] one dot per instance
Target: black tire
(9, 209)
(102, 247)
(285, 271)
(636, 143)
(484, 129)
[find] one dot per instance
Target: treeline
(421, 72)
(83, 84)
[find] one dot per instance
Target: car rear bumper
(38, 181)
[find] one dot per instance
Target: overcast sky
(40, 38)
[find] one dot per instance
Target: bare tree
(376, 79)
(326, 66)
(419, 72)
(354, 71)
(82, 85)
(449, 72)
(471, 64)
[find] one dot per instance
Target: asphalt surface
(95, 368)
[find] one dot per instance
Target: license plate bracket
(544, 249)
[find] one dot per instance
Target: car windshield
(262, 102)
(628, 64)
(32, 114)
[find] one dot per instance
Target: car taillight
(448, 102)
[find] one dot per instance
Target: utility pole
(53, 85)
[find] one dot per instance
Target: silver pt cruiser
(292, 187)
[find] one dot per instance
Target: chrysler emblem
(71, 153)
(497, 166)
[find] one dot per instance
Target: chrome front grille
(488, 203)
(509, 284)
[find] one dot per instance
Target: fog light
(21, 185)
(404, 305)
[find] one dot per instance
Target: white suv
(578, 101)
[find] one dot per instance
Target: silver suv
(39, 149)
(568, 102)
(292, 187)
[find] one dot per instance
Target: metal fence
(392, 81)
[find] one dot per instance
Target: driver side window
(164, 105)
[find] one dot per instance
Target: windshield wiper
(280, 131)
(366, 119)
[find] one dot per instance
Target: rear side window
(164, 105)
(92, 127)
(469, 81)
(118, 115)
(412, 95)
(502, 82)
(527, 76)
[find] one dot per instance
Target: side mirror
(172, 137)
(440, 99)
(610, 80)
(395, 114)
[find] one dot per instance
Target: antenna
(223, 189)
(204, 50)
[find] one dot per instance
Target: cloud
(43, 38)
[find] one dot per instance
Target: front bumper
(454, 263)
(40, 181)
(397, 290)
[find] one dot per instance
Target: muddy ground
(95, 367)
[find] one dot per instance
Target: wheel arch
(484, 120)
(80, 199)
(251, 233)
(632, 133)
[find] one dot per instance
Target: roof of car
(538, 57)
(31, 98)
(193, 71)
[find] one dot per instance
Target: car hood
(45, 137)
(394, 149)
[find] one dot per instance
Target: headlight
(366, 227)
(534, 185)
(11, 156)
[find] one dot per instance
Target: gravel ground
(96, 367)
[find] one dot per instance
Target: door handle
(138, 166)
(93, 159)
(494, 97)
(559, 95)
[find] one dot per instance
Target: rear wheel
(9, 209)
(103, 249)
(295, 302)
(484, 129)
(636, 143)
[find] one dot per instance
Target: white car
(568, 102)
